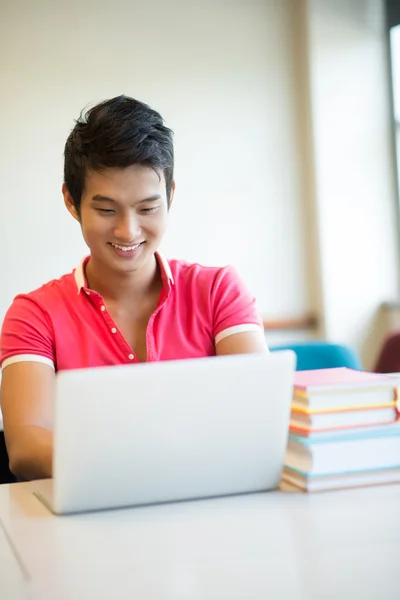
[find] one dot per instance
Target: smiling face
(123, 216)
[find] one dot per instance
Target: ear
(69, 203)
(171, 196)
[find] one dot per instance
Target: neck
(123, 286)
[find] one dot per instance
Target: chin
(129, 264)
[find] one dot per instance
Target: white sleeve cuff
(237, 329)
(26, 358)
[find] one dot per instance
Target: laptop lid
(175, 430)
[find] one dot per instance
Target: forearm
(31, 453)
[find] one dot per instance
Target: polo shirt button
(102, 308)
(131, 357)
(87, 292)
(113, 330)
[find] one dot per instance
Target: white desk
(337, 545)
(12, 577)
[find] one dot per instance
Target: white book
(334, 455)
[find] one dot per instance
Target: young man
(125, 303)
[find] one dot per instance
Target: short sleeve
(27, 334)
(234, 308)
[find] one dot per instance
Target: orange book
(342, 419)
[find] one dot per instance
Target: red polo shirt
(66, 325)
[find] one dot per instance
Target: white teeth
(125, 248)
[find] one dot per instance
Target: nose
(127, 229)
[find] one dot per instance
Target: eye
(149, 210)
(106, 211)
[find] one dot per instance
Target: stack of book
(344, 430)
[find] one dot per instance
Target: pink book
(341, 378)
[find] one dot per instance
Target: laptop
(176, 430)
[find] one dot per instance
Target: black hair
(119, 132)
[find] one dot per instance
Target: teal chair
(322, 355)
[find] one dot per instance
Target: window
(395, 63)
(393, 26)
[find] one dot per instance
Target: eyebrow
(100, 198)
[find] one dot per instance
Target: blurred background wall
(285, 163)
